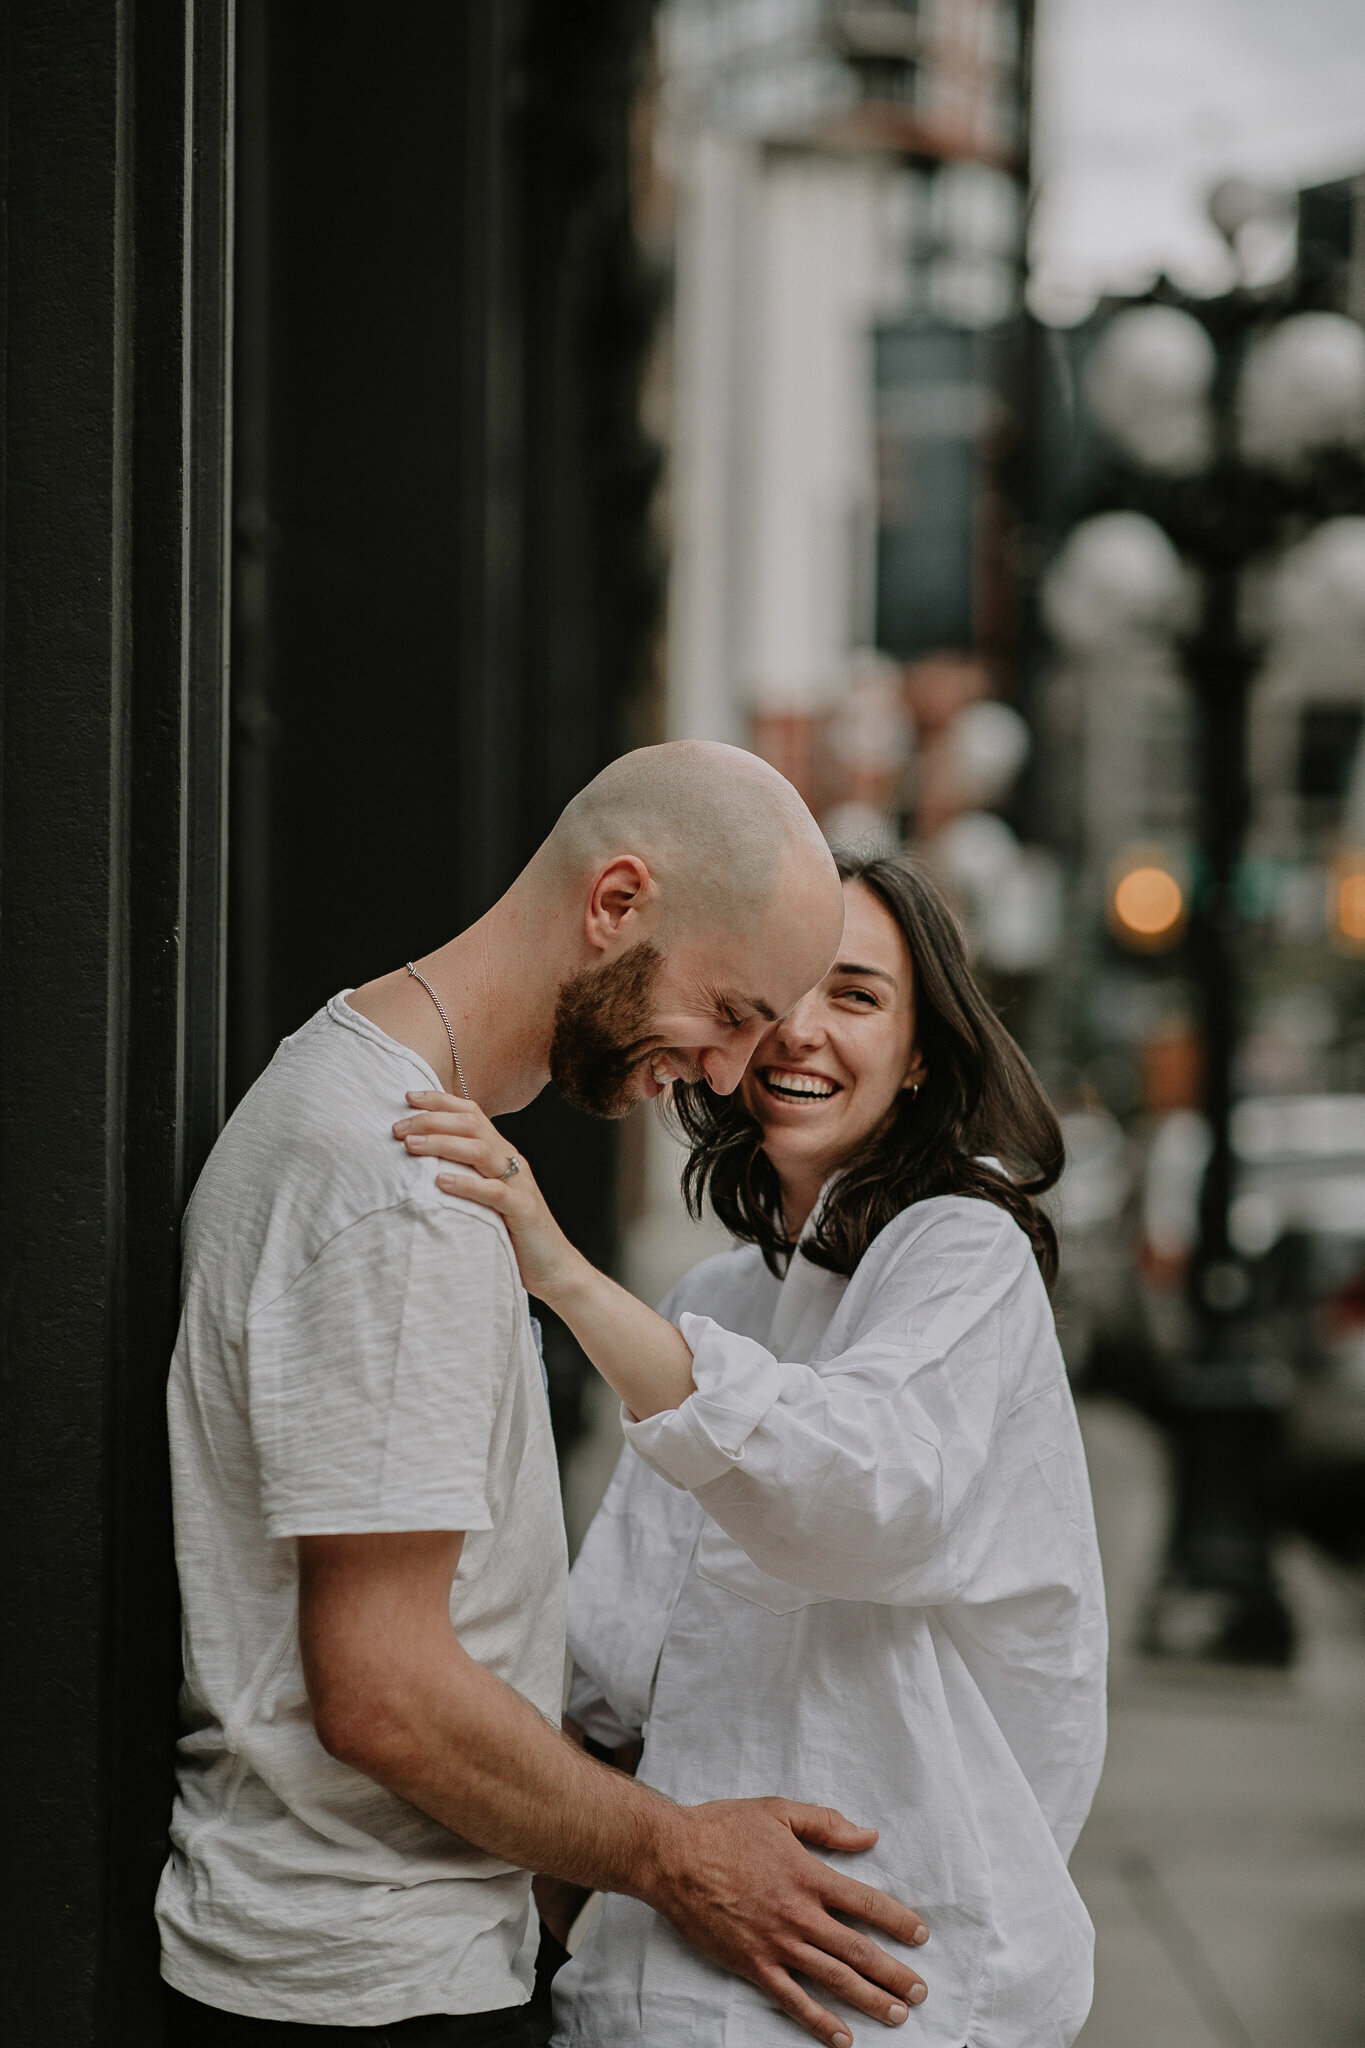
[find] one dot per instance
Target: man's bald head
(683, 901)
(715, 826)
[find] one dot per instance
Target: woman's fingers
(447, 1128)
(461, 1118)
(444, 1128)
(437, 1098)
(433, 1109)
(474, 1187)
(486, 1156)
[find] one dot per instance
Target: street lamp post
(1217, 1594)
(1227, 494)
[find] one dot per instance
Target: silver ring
(512, 1167)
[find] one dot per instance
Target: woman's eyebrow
(851, 967)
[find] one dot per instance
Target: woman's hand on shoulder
(446, 1127)
(637, 1353)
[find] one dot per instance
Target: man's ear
(622, 890)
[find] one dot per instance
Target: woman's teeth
(799, 1087)
(660, 1073)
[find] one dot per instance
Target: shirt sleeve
(373, 1381)
(854, 1478)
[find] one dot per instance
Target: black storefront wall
(116, 276)
(442, 594)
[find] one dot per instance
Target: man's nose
(800, 1030)
(724, 1066)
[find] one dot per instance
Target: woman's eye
(859, 995)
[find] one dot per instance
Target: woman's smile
(797, 1085)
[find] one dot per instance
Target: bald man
(368, 1530)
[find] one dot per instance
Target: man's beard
(602, 1030)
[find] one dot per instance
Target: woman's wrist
(638, 1354)
(578, 1285)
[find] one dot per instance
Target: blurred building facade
(839, 168)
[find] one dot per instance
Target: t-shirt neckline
(340, 1011)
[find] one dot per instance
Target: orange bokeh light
(1149, 904)
(1350, 904)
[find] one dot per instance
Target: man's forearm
(473, 1754)
(394, 1694)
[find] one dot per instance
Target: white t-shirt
(354, 1355)
(858, 1566)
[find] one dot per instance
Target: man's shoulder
(410, 1239)
(309, 1157)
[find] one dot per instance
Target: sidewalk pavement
(1224, 1861)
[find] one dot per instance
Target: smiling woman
(895, 1074)
(850, 1533)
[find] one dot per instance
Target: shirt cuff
(737, 1382)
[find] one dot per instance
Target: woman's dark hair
(980, 1100)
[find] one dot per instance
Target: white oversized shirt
(354, 1356)
(858, 1567)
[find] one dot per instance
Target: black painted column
(115, 334)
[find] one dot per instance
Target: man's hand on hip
(743, 1890)
(394, 1695)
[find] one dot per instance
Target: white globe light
(1148, 384)
(1021, 922)
(1303, 387)
(1117, 582)
(1317, 595)
(990, 743)
(974, 853)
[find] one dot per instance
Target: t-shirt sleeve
(373, 1381)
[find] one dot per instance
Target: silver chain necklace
(459, 1070)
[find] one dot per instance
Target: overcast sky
(1143, 105)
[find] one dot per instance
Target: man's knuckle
(812, 1925)
(861, 1954)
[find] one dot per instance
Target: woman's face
(825, 1078)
